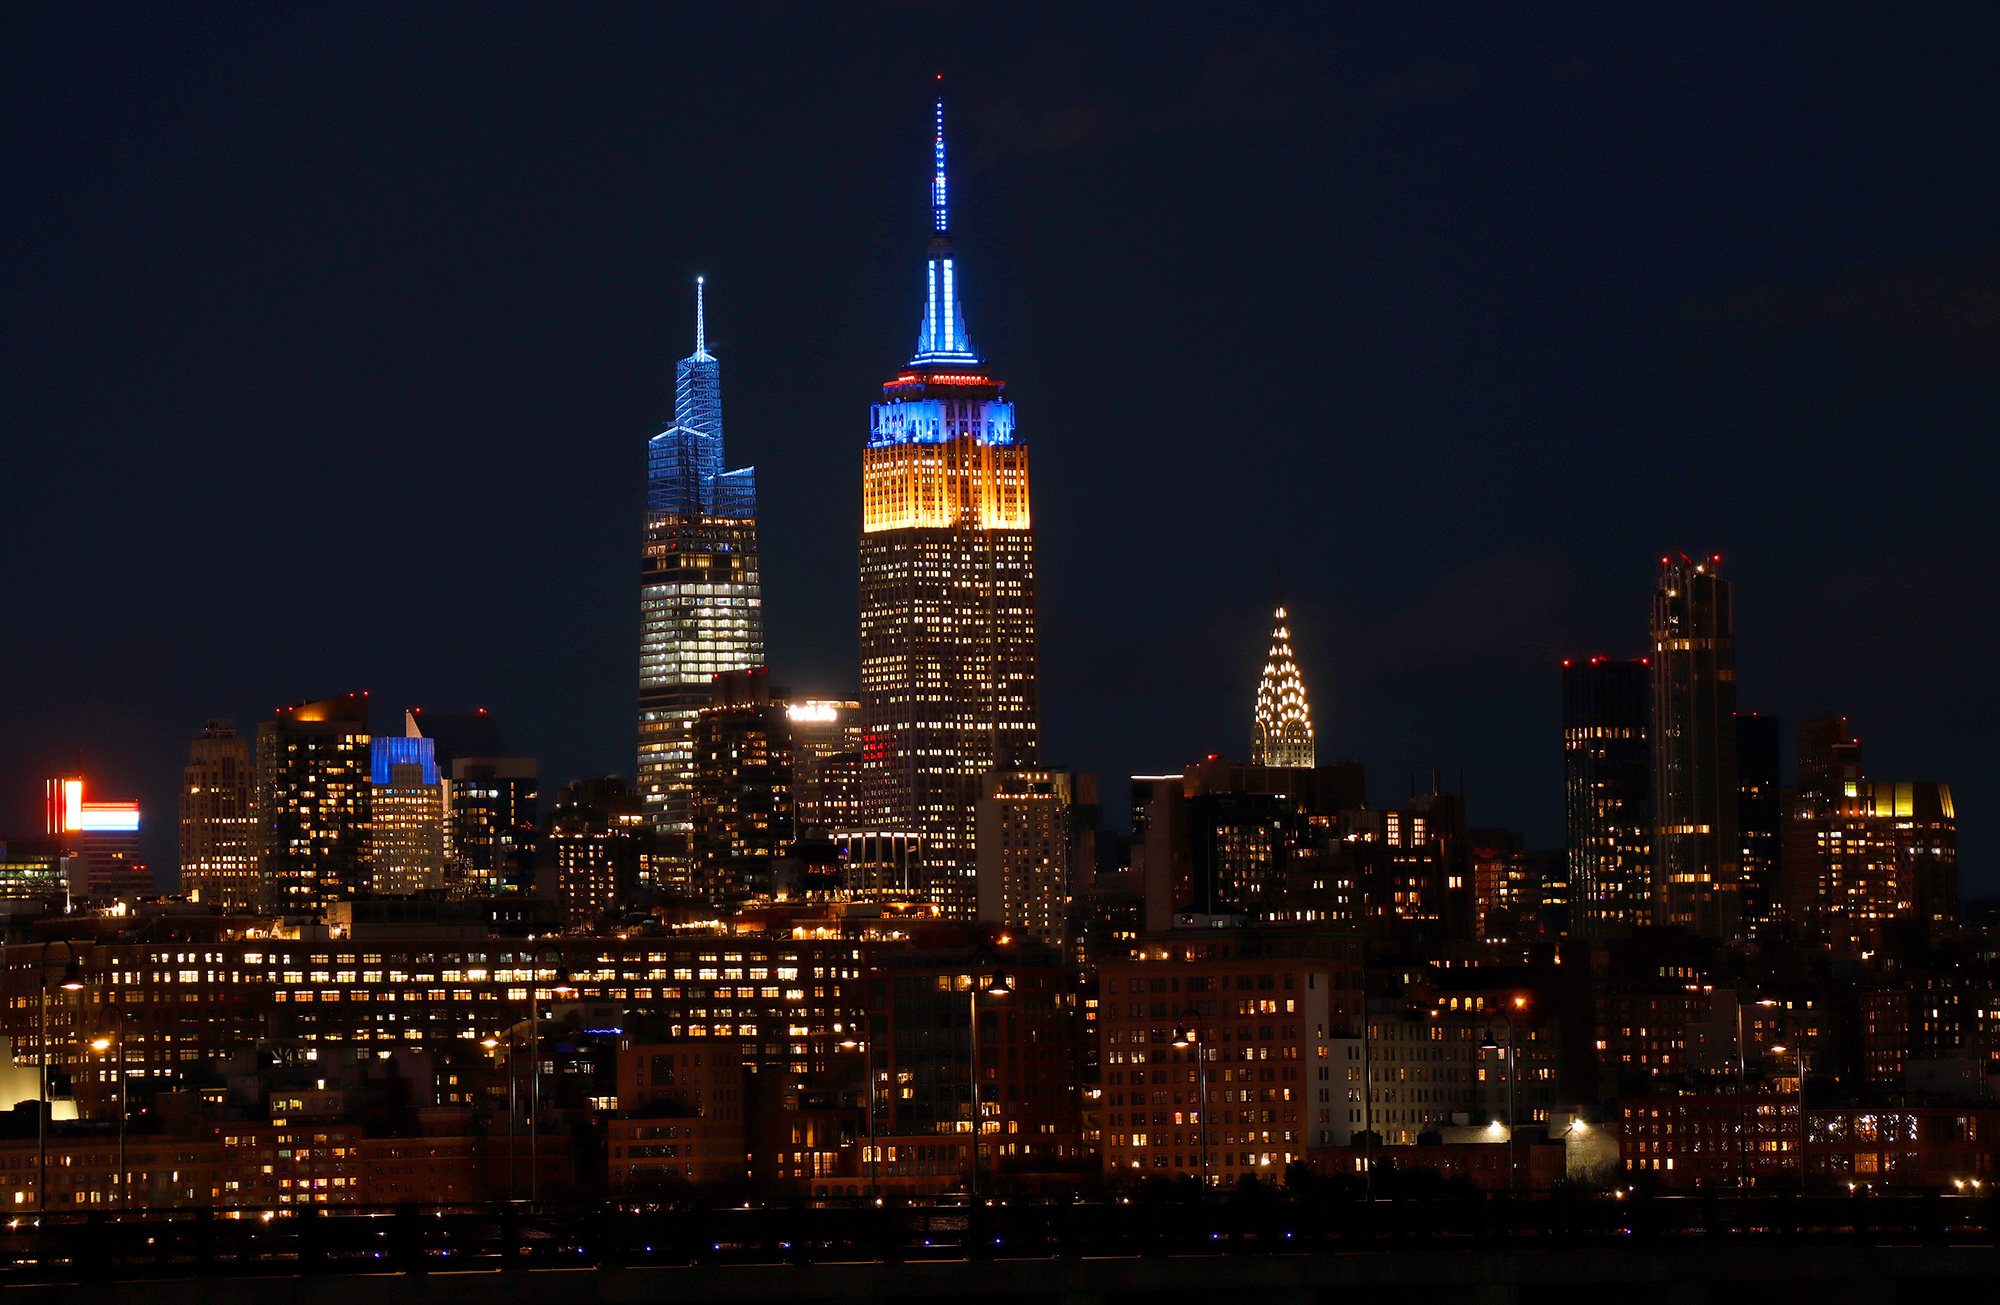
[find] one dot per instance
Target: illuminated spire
(942, 336)
(700, 322)
(937, 181)
(1284, 734)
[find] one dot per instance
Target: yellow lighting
(960, 482)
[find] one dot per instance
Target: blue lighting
(684, 461)
(935, 421)
(942, 337)
(387, 751)
(937, 182)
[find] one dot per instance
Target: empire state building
(947, 585)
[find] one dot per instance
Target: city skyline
(1400, 694)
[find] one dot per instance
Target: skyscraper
(594, 847)
(947, 584)
(1696, 850)
(1860, 852)
(406, 815)
(701, 601)
(218, 820)
(1284, 735)
(489, 797)
(743, 809)
(312, 804)
(1608, 793)
(826, 765)
(1760, 819)
(1024, 831)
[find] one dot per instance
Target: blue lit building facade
(947, 587)
(701, 602)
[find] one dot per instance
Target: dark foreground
(1665, 1251)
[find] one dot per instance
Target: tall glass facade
(700, 603)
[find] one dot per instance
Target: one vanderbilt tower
(700, 602)
(947, 585)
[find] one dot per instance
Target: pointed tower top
(1284, 732)
(937, 179)
(942, 337)
(700, 322)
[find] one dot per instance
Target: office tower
(100, 841)
(1505, 901)
(1226, 838)
(1284, 733)
(1759, 815)
(406, 822)
(944, 1010)
(947, 584)
(313, 770)
(1860, 853)
(1608, 794)
(886, 866)
(826, 765)
(1022, 829)
(742, 810)
(1829, 758)
(490, 796)
(1924, 824)
(701, 601)
(595, 843)
(1696, 849)
(33, 871)
(219, 821)
(1142, 790)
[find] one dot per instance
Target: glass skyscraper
(947, 586)
(701, 604)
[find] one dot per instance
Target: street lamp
(867, 1046)
(998, 988)
(72, 981)
(1193, 1037)
(1742, 1116)
(116, 1045)
(1779, 1049)
(1488, 1044)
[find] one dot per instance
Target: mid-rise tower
(1284, 734)
(1608, 793)
(218, 821)
(313, 770)
(947, 584)
(1697, 854)
(701, 600)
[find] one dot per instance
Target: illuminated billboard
(81, 817)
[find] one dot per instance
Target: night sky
(333, 337)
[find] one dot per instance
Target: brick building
(1241, 1024)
